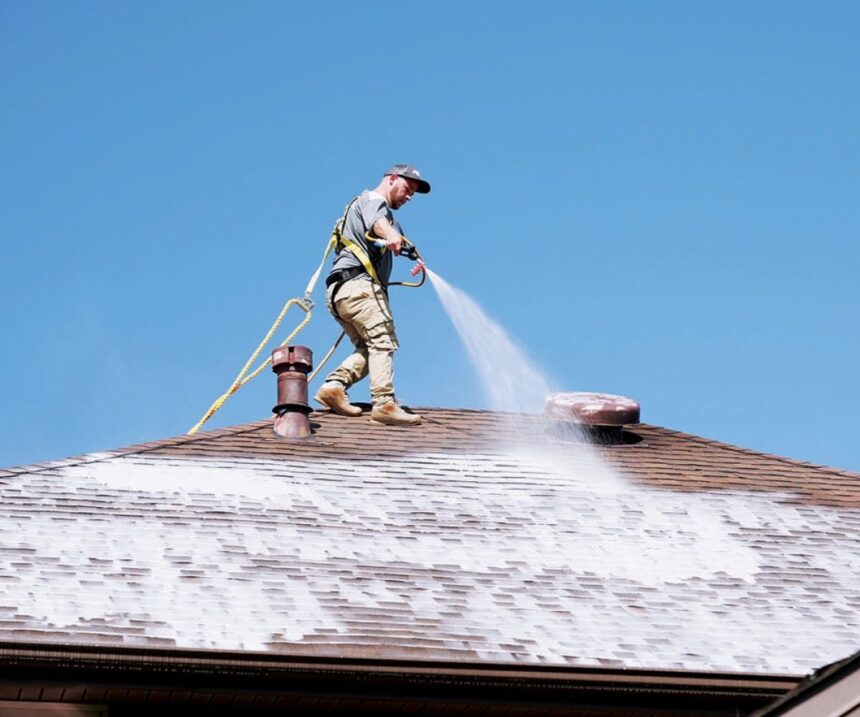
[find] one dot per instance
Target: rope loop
(244, 377)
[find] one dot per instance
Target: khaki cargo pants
(364, 313)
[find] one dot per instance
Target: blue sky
(657, 199)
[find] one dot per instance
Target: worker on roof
(357, 296)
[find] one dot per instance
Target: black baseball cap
(407, 171)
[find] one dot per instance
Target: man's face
(401, 191)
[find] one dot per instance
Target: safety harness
(344, 242)
(340, 242)
(339, 277)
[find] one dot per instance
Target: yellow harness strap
(359, 254)
(343, 242)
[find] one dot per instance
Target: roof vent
(601, 416)
(292, 364)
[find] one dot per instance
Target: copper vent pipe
(292, 364)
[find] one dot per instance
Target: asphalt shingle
(472, 536)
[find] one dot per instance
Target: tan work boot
(393, 415)
(333, 396)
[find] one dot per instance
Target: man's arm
(385, 231)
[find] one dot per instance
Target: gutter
(124, 675)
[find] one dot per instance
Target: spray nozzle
(420, 266)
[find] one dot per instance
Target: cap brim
(397, 171)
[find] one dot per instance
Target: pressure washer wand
(410, 251)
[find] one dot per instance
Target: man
(358, 296)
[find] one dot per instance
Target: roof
(475, 537)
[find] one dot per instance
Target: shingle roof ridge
(135, 448)
(752, 452)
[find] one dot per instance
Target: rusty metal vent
(292, 364)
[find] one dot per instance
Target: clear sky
(657, 199)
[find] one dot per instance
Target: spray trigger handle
(410, 251)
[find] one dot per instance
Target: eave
(307, 684)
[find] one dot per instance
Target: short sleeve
(372, 209)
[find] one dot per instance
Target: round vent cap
(596, 409)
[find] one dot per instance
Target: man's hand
(383, 229)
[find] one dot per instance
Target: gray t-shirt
(364, 212)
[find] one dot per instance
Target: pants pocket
(381, 337)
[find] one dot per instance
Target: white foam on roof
(511, 549)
